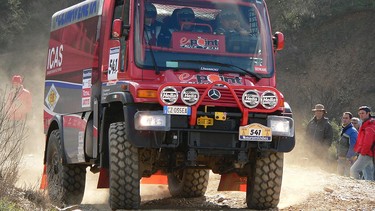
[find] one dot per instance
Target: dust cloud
(304, 174)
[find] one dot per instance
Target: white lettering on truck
(55, 57)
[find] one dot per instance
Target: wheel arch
(112, 112)
(56, 124)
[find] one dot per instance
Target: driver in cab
(185, 22)
(229, 23)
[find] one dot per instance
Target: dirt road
(304, 188)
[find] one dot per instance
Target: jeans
(363, 164)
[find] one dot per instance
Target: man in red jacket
(19, 100)
(365, 146)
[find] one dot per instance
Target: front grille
(226, 99)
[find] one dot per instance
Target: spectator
(152, 26)
(19, 100)
(319, 133)
(356, 123)
(365, 146)
(229, 23)
(345, 145)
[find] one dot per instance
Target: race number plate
(255, 132)
(177, 110)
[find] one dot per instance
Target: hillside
(331, 63)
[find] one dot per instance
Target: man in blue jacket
(345, 145)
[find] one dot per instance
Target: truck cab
(138, 88)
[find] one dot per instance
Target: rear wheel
(65, 183)
(188, 182)
(124, 170)
(264, 181)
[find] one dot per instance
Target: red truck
(136, 88)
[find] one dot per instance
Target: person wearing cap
(184, 19)
(152, 26)
(319, 133)
(345, 145)
(365, 146)
(19, 100)
(229, 23)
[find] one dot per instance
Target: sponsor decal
(55, 58)
(186, 77)
(81, 152)
(76, 13)
(269, 99)
(86, 88)
(260, 69)
(190, 95)
(210, 69)
(207, 79)
(169, 95)
(250, 98)
(199, 43)
(52, 98)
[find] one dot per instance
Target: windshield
(222, 35)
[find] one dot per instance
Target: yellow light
(144, 93)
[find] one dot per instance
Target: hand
(354, 158)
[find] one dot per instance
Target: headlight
(169, 95)
(281, 125)
(152, 120)
(269, 99)
(190, 96)
(251, 98)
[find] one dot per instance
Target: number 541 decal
(114, 54)
(255, 132)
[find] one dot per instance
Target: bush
(12, 134)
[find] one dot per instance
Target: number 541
(256, 132)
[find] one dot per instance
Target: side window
(121, 11)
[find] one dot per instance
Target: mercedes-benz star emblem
(214, 94)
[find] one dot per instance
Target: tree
(12, 22)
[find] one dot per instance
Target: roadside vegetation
(12, 136)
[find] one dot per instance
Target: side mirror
(117, 28)
(278, 41)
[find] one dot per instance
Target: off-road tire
(264, 181)
(124, 180)
(65, 183)
(188, 183)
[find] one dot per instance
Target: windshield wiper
(157, 71)
(257, 76)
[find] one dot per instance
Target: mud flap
(232, 182)
(43, 183)
(103, 181)
(158, 179)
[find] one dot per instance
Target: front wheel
(124, 180)
(65, 183)
(188, 182)
(264, 181)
